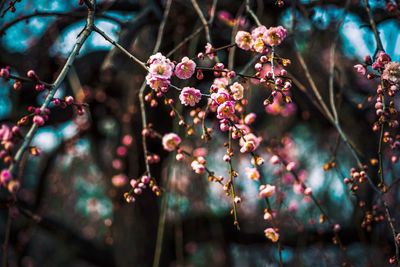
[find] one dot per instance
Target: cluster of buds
(140, 184)
(389, 73)
(39, 116)
(372, 216)
(7, 181)
(5, 73)
(356, 178)
(199, 165)
(121, 152)
(69, 101)
(197, 115)
(394, 143)
(34, 77)
(9, 137)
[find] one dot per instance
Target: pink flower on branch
(249, 143)
(159, 72)
(185, 69)
(190, 96)
(267, 191)
(244, 40)
(171, 141)
(271, 234)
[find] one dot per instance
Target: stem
(184, 41)
(162, 26)
(202, 19)
(251, 13)
(314, 88)
(373, 26)
(231, 182)
(144, 126)
(161, 225)
(117, 45)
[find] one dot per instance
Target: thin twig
(251, 13)
(314, 88)
(117, 45)
(203, 20)
(162, 26)
(373, 26)
(161, 222)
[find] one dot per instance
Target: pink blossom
(220, 97)
(243, 40)
(226, 110)
(259, 45)
(198, 165)
(267, 191)
(190, 96)
(5, 133)
(119, 180)
(244, 129)
(382, 59)
(291, 166)
(250, 118)
(219, 83)
(274, 160)
(360, 69)
(171, 141)
(5, 73)
(275, 36)
(249, 143)
(157, 83)
(271, 234)
(391, 72)
(252, 173)
(237, 91)
(210, 51)
(185, 69)
(308, 191)
(5, 176)
(161, 66)
(267, 216)
(259, 32)
(160, 71)
(37, 119)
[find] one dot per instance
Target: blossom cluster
(388, 73)
(140, 184)
(260, 38)
(161, 69)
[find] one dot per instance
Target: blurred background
(71, 210)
